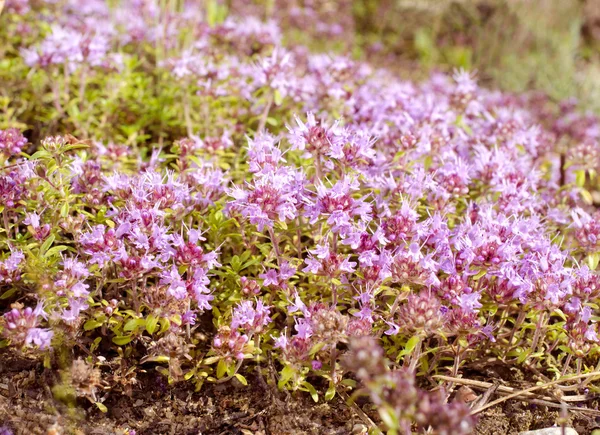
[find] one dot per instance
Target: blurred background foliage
(516, 45)
(552, 46)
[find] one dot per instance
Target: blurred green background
(547, 45)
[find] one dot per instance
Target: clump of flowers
(235, 205)
(21, 327)
(12, 142)
(399, 400)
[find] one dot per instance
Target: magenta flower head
(13, 185)
(40, 337)
(230, 344)
(12, 142)
(313, 136)
(251, 319)
(21, 326)
(270, 197)
(39, 232)
(10, 269)
(421, 314)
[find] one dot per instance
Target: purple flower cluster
(312, 201)
(12, 142)
(10, 268)
(21, 326)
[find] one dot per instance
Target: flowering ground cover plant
(183, 192)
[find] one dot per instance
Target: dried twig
(512, 392)
(535, 388)
(364, 417)
(508, 390)
(485, 397)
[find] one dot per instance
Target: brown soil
(27, 406)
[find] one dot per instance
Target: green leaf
(580, 177)
(133, 324)
(176, 319)
(164, 325)
(244, 257)
(151, 323)
(77, 146)
(250, 263)
(8, 293)
(311, 390)
(95, 344)
(121, 340)
(159, 358)
(286, 374)
(480, 274)
(592, 260)
(231, 369)
(40, 154)
(91, 324)
(410, 345)
(389, 417)
(163, 371)
(330, 393)
(349, 382)
(587, 196)
(101, 407)
(64, 210)
(236, 263)
(278, 98)
(242, 379)
(55, 250)
(47, 243)
(211, 360)
(221, 368)
(317, 347)
(212, 12)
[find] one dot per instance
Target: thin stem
(332, 362)
(186, 114)
(261, 380)
(6, 226)
(206, 110)
(82, 86)
(136, 302)
(188, 326)
(56, 99)
(299, 237)
(456, 364)
(567, 364)
(265, 114)
(334, 295)
(392, 312)
(538, 331)
(416, 354)
(516, 326)
(275, 245)
(318, 170)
